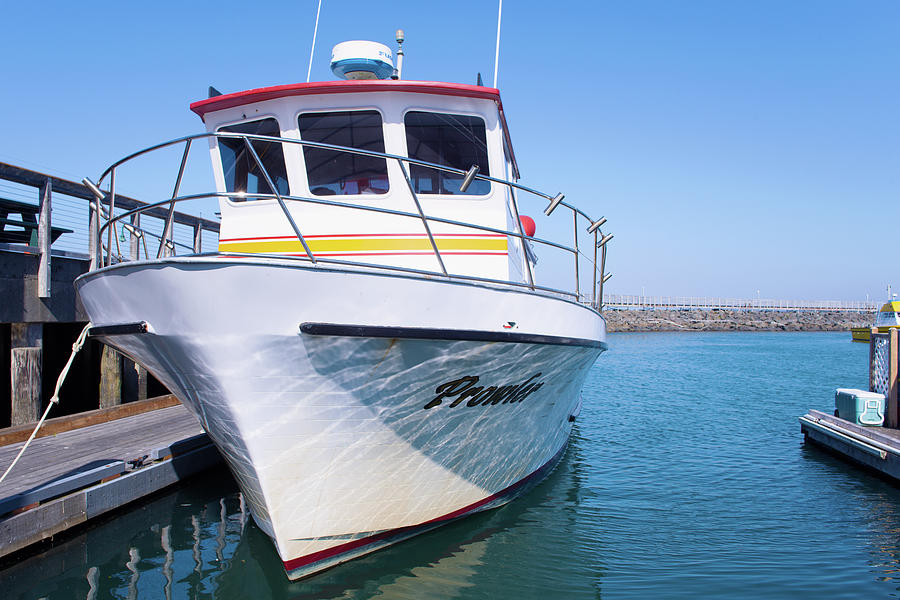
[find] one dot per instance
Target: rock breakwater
(734, 320)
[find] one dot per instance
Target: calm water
(686, 476)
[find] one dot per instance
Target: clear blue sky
(733, 146)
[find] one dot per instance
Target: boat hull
(356, 408)
(864, 334)
(861, 334)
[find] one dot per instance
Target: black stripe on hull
(424, 333)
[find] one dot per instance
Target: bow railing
(112, 221)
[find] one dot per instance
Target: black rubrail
(422, 333)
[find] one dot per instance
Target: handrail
(419, 214)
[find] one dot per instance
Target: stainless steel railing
(105, 210)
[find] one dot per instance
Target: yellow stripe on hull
(365, 245)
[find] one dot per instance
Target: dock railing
(884, 368)
(104, 238)
(640, 302)
(59, 201)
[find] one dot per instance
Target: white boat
(369, 348)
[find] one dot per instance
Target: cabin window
(242, 174)
(331, 172)
(451, 140)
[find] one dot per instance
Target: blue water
(686, 477)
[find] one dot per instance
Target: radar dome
(362, 60)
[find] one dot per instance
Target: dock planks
(154, 449)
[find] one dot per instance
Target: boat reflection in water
(198, 541)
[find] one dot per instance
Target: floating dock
(66, 479)
(877, 448)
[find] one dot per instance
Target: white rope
(55, 399)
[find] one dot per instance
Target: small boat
(887, 318)
(370, 347)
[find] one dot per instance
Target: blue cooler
(860, 407)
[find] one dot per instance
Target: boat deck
(68, 478)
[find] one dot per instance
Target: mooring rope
(79, 343)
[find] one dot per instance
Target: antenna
(313, 49)
(497, 53)
(399, 36)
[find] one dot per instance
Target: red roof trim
(202, 107)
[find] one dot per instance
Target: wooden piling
(110, 378)
(25, 372)
(134, 381)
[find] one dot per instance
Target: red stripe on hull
(410, 530)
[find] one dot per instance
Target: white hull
(326, 428)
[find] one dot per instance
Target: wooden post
(110, 378)
(44, 241)
(198, 238)
(893, 360)
(25, 372)
(94, 235)
(141, 382)
(134, 381)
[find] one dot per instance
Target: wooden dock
(66, 479)
(876, 448)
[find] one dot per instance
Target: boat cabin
(889, 315)
(453, 125)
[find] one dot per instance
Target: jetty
(658, 319)
(865, 426)
(117, 435)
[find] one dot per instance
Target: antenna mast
(400, 36)
(497, 53)
(313, 49)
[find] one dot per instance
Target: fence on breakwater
(635, 302)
